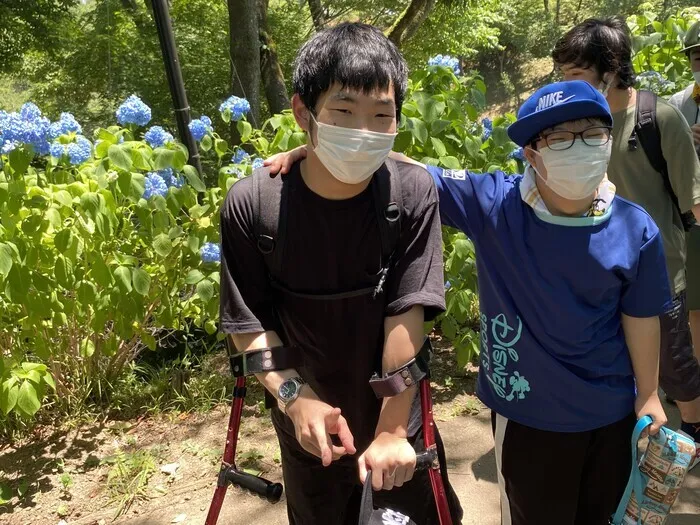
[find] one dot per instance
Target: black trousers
(558, 478)
(318, 495)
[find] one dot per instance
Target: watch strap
(265, 360)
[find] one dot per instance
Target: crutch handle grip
(426, 459)
(272, 492)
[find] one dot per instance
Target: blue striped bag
(657, 479)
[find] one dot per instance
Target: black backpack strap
(646, 130)
(271, 201)
(388, 203)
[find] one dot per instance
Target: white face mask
(352, 155)
(696, 76)
(577, 172)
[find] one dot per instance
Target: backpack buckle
(392, 212)
(266, 244)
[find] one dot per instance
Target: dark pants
(679, 370)
(318, 495)
(558, 478)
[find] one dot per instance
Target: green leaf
(245, 129)
(28, 400)
(221, 147)
(205, 144)
(5, 258)
(123, 277)
(87, 293)
(63, 271)
(450, 162)
(20, 159)
(417, 127)
(193, 178)
(205, 290)
(163, 245)
(100, 272)
(163, 158)
(5, 493)
(64, 198)
(149, 340)
(142, 281)
(87, 347)
(18, 282)
(120, 157)
(439, 147)
(49, 380)
(9, 392)
(54, 217)
(194, 277)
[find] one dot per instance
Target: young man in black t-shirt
(349, 85)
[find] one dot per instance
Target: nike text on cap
(556, 103)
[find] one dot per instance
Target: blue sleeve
(466, 198)
(649, 294)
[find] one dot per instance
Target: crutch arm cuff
(395, 382)
(265, 360)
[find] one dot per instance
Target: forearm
(255, 341)
(696, 212)
(643, 336)
(403, 340)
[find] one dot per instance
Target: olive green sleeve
(679, 151)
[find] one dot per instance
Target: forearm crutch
(263, 360)
(393, 383)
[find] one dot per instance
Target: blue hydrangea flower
(66, 124)
(448, 285)
(29, 111)
(57, 150)
(157, 137)
(655, 82)
(238, 107)
(445, 61)
(8, 146)
(240, 157)
(210, 252)
(258, 163)
(79, 151)
(199, 128)
(487, 124)
(206, 120)
(518, 154)
(133, 111)
(233, 171)
(171, 180)
(155, 185)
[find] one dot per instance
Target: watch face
(288, 389)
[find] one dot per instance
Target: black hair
(355, 55)
(603, 44)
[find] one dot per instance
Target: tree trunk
(546, 6)
(244, 47)
(410, 20)
(317, 14)
(272, 77)
(578, 11)
(556, 16)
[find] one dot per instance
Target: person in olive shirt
(688, 103)
(599, 51)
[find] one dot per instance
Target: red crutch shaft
(426, 404)
(234, 425)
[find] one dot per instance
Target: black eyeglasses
(563, 140)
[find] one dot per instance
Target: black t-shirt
(333, 246)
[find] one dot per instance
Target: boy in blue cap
(572, 280)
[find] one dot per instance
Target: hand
(314, 422)
(391, 459)
(696, 133)
(281, 163)
(651, 406)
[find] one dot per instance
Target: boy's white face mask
(696, 76)
(575, 173)
(351, 155)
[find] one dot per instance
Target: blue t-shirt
(552, 290)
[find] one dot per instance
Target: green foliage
(127, 479)
(656, 45)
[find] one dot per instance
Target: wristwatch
(288, 391)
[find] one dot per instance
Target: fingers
(378, 480)
(323, 441)
(362, 468)
(339, 426)
(659, 421)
